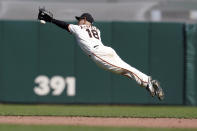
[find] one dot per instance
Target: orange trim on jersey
(120, 68)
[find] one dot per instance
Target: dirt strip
(99, 121)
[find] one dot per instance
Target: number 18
(93, 32)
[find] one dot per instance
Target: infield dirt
(100, 121)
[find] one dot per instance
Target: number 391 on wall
(56, 85)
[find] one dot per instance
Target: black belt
(96, 46)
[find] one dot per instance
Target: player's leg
(133, 73)
(107, 58)
(141, 78)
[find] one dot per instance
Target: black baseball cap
(86, 16)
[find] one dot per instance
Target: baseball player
(89, 39)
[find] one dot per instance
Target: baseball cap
(87, 16)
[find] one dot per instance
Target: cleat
(150, 87)
(158, 90)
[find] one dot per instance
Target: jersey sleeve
(73, 28)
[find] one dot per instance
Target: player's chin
(80, 23)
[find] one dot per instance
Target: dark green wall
(19, 60)
(167, 59)
(30, 49)
(191, 64)
(131, 42)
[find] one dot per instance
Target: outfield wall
(43, 64)
(191, 64)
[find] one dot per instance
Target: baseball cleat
(150, 87)
(158, 90)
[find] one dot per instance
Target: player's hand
(45, 15)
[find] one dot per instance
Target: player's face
(81, 22)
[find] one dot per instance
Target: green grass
(6, 127)
(99, 111)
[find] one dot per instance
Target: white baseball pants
(108, 59)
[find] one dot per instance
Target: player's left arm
(61, 24)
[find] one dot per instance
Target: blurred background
(43, 64)
(104, 10)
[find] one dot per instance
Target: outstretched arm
(61, 24)
(47, 16)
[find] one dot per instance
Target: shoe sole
(159, 90)
(160, 94)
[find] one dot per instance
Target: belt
(96, 46)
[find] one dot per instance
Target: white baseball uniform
(88, 38)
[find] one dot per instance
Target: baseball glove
(45, 15)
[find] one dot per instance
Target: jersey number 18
(93, 33)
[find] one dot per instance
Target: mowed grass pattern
(6, 127)
(99, 111)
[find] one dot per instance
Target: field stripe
(100, 121)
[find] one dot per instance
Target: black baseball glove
(45, 15)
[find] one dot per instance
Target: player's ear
(85, 20)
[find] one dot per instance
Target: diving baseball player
(88, 38)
